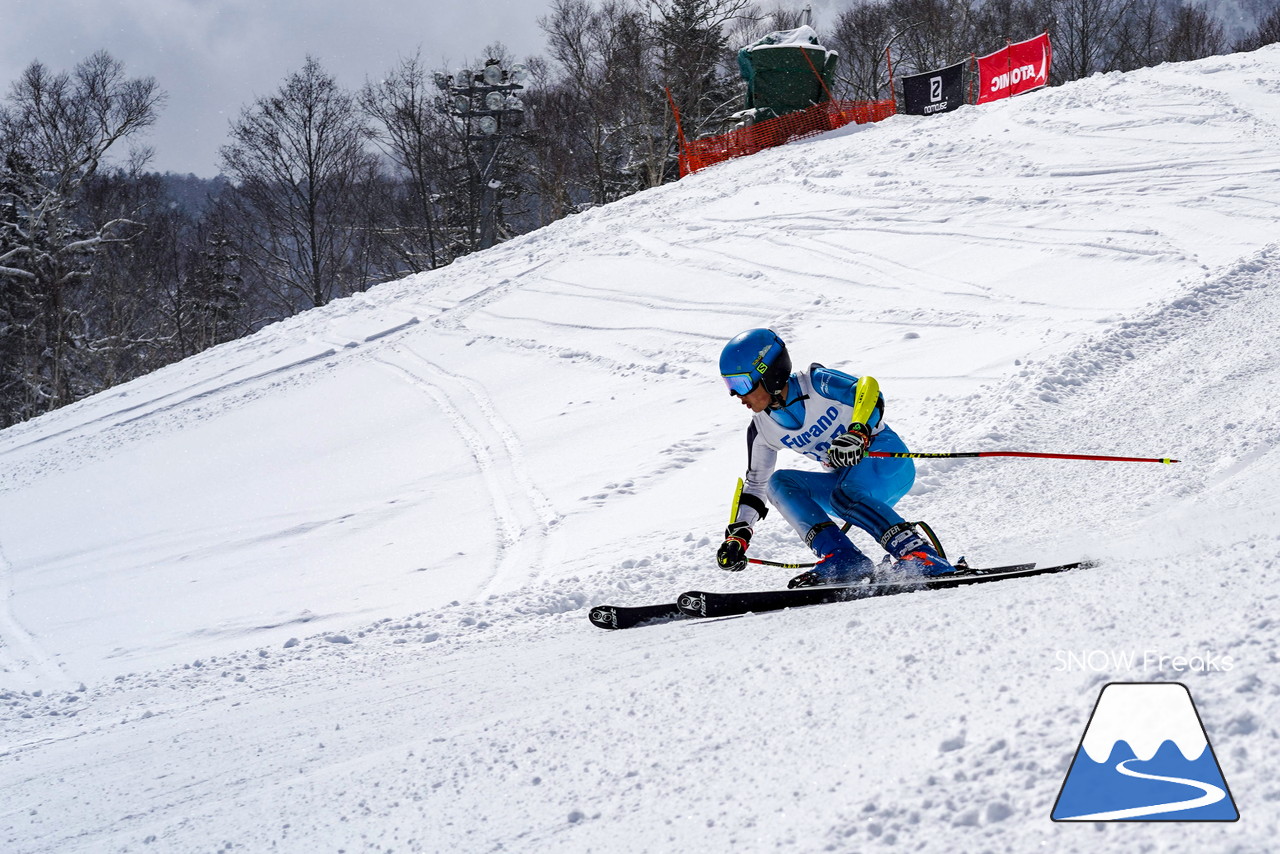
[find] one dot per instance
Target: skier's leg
(866, 494)
(804, 499)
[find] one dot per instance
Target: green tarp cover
(779, 79)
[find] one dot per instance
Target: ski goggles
(740, 384)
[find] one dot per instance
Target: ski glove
(732, 554)
(847, 448)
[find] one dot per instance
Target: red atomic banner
(1015, 69)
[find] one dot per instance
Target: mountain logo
(1145, 756)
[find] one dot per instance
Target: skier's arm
(761, 460)
(842, 388)
(863, 394)
(867, 401)
(751, 508)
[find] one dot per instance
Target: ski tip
(629, 616)
(604, 617)
(1087, 563)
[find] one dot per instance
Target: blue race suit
(820, 408)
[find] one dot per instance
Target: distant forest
(109, 271)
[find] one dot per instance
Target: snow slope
(325, 588)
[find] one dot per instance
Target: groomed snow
(325, 588)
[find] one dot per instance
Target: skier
(811, 412)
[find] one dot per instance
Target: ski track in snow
(19, 651)
(170, 411)
(522, 513)
(455, 317)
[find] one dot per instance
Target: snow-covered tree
(55, 131)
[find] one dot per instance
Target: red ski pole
(958, 454)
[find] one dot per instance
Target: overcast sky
(213, 57)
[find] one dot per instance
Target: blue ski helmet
(752, 357)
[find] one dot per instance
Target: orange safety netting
(819, 118)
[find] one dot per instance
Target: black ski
(697, 603)
(624, 617)
(628, 616)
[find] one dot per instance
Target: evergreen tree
(55, 130)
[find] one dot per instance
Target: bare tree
(1268, 32)
(1195, 34)
(1085, 36)
(647, 127)
(55, 130)
(755, 23)
(604, 126)
(996, 22)
(299, 163)
(560, 173)
(861, 35)
(598, 105)
(931, 33)
(1141, 37)
(414, 135)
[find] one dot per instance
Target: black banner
(932, 92)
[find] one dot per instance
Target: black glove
(732, 554)
(847, 448)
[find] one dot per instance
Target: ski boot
(841, 561)
(912, 553)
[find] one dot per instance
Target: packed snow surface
(325, 588)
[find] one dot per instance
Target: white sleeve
(761, 459)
